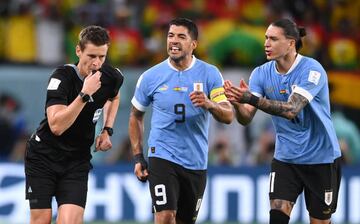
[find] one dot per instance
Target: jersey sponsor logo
(97, 115)
(328, 196)
(198, 86)
(54, 84)
(164, 87)
(314, 77)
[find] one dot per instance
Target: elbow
(56, 130)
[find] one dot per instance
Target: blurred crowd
(44, 32)
(231, 31)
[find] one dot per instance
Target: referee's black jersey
(64, 86)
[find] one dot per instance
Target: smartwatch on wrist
(85, 97)
(109, 130)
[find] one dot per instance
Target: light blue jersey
(179, 130)
(309, 138)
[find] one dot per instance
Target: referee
(57, 160)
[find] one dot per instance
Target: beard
(177, 59)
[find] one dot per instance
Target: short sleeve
(57, 89)
(217, 93)
(255, 83)
(141, 98)
(311, 82)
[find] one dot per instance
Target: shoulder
(63, 72)
(311, 63)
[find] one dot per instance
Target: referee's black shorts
(46, 177)
(319, 182)
(174, 187)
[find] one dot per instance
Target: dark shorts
(319, 182)
(45, 178)
(173, 187)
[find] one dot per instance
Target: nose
(96, 62)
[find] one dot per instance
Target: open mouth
(174, 49)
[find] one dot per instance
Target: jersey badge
(54, 84)
(314, 77)
(198, 86)
(283, 91)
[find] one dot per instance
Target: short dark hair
(97, 35)
(189, 24)
(291, 30)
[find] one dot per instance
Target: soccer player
(57, 160)
(184, 92)
(294, 90)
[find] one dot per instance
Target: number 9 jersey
(179, 130)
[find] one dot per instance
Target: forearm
(110, 111)
(222, 112)
(244, 113)
(61, 117)
(288, 110)
(136, 130)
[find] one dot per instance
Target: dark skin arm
(136, 131)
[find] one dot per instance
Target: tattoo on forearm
(287, 109)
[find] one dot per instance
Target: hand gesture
(236, 94)
(199, 99)
(91, 83)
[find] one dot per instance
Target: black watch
(109, 130)
(85, 97)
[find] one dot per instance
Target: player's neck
(284, 64)
(183, 63)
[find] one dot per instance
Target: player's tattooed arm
(288, 109)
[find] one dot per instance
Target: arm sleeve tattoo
(289, 109)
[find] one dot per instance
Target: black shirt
(64, 86)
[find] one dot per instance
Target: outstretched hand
(236, 94)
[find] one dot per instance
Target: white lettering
(240, 184)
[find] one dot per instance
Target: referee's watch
(85, 97)
(109, 130)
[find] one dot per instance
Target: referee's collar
(77, 71)
(193, 61)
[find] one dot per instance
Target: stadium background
(36, 35)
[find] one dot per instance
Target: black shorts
(320, 183)
(45, 178)
(173, 187)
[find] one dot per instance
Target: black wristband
(254, 100)
(139, 158)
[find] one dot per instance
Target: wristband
(139, 158)
(254, 100)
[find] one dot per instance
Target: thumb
(243, 84)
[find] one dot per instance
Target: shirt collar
(77, 71)
(293, 66)
(193, 61)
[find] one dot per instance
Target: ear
(78, 50)
(194, 44)
(292, 42)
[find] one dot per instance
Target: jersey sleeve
(141, 98)
(57, 89)
(255, 83)
(311, 82)
(217, 93)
